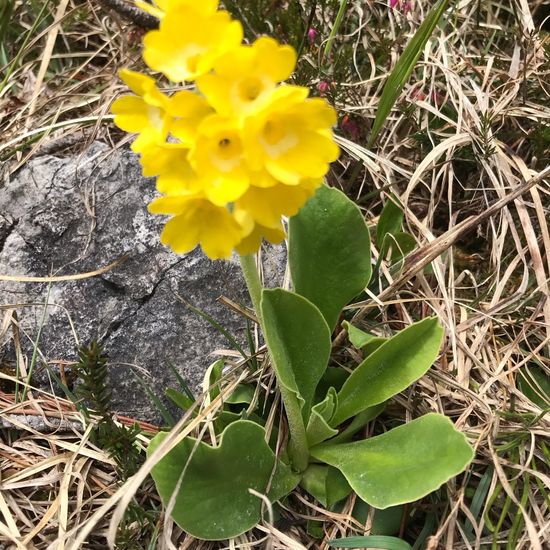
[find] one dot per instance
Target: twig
(135, 15)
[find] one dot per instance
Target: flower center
(250, 89)
(227, 154)
(278, 136)
(228, 148)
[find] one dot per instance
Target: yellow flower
(243, 77)
(188, 42)
(188, 110)
(267, 205)
(291, 136)
(170, 162)
(197, 221)
(218, 157)
(251, 243)
(145, 113)
(160, 7)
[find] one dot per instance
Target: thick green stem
(298, 447)
(253, 283)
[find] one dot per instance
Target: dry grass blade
(59, 278)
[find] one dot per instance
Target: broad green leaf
(390, 369)
(404, 67)
(401, 244)
(329, 252)
(363, 340)
(299, 342)
(356, 336)
(372, 346)
(389, 223)
(384, 522)
(214, 502)
(318, 429)
(325, 483)
(215, 372)
(243, 393)
(403, 464)
(371, 541)
(284, 481)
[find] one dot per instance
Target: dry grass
(471, 127)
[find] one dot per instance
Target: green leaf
(385, 522)
(315, 529)
(215, 372)
(299, 342)
(356, 336)
(283, 482)
(390, 369)
(389, 223)
(329, 252)
(403, 464)
(363, 340)
(535, 384)
(214, 502)
(242, 394)
(318, 429)
(325, 483)
(401, 244)
(404, 67)
(371, 541)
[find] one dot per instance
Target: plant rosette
(233, 156)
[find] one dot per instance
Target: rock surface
(75, 215)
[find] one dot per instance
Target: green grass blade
(404, 67)
(184, 385)
(335, 27)
(478, 500)
(231, 339)
(34, 349)
(164, 412)
(372, 541)
(19, 55)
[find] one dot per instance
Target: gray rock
(75, 215)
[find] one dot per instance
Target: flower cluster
(237, 151)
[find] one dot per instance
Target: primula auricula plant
(234, 153)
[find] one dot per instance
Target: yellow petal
(251, 243)
(169, 205)
(278, 61)
(139, 83)
(214, 228)
(131, 113)
(268, 205)
(180, 234)
(187, 43)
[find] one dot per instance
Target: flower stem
(298, 448)
(252, 279)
